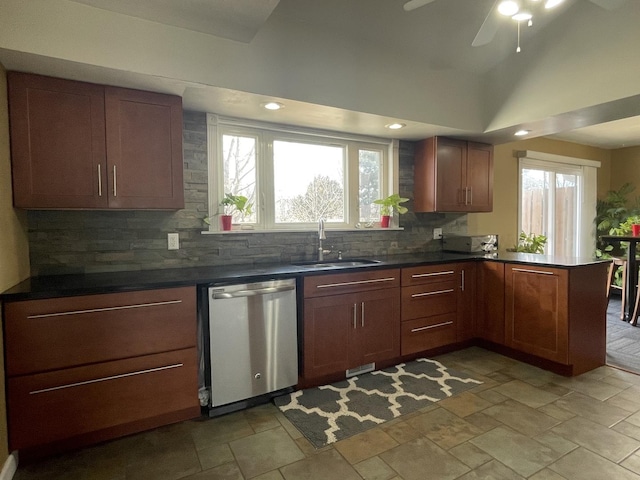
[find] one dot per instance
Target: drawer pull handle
(358, 282)
(104, 379)
(105, 309)
(526, 270)
(425, 294)
(420, 275)
(99, 181)
(443, 324)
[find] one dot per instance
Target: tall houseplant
(388, 205)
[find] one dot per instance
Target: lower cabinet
(490, 302)
(536, 313)
(89, 368)
(346, 330)
(557, 314)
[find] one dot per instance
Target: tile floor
(523, 422)
(623, 340)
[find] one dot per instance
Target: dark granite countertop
(96, 283)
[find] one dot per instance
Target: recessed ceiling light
(395, 126)
(521, 133)
(272, 105)
(508, 8)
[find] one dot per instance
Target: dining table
(632, 273)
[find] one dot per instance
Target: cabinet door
(57, 142)
(467, 302)
(479, 178)
(144, 149)
(450, 175)
(378, 328)
(537, 311)
(328, 325)
(490, 302)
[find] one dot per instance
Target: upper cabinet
(80, 145)
(453, 176)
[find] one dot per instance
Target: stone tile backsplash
(101, 241)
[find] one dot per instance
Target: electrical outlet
(173, 241)
(437, 233)
(394, 244)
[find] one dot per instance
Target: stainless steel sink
(336, 263)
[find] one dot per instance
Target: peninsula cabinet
(78, 145)
(89, 368)
(557, 314)
(350, 320)
(453, 176)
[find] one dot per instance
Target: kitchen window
(293, 177)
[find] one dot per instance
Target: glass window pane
(239, 157)
(535, 200)
(566, 214)
(308, 182)
(370, 184)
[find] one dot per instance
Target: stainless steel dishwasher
(253, 340)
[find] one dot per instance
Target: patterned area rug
(333, 412)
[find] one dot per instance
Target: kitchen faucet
(321, 236)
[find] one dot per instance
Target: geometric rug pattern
(333, 412)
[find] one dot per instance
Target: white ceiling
(436, 37)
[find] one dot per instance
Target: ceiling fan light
(552, 3)
(508, 8)
(522, 16)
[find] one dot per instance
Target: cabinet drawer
(429, 274)
(426, 333)
(45, 335)
(429, 299)
(322, 285)
(48, 407)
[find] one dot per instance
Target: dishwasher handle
(251, 293)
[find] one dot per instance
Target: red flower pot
(226, 222)
(384, 221)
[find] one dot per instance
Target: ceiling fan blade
(489, 27)
(413, 4)
(609, 4)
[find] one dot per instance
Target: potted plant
(232, 204)
(388, 205)
(530, 243)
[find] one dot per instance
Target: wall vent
(369, 367)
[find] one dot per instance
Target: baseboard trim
(10, 466)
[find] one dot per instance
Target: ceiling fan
(518, 10)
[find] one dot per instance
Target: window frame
(587, 196)
(266, 134)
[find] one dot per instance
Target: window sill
(328, 230)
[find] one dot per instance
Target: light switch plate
(173, 241)
(437, 233)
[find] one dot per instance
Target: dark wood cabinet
(490, 302)
(79, 145)
(536, 311)
(467, 302)
(430, 307)
(453, 176)
(350, 320)
(89, 368)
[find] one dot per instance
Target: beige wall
(14, 248)
(504, 218)
(627, 168)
